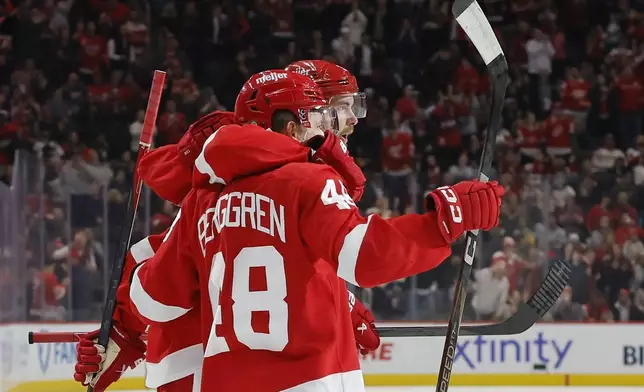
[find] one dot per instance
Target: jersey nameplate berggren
(242, 209)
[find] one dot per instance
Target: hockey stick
(526, 315)
(151, 112)
(524, 318)
(470, 17)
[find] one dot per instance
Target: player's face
(349, 108)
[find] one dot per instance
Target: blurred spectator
(391, 300)
(621, 208)
(81, 258)
(565, 309)
(407, 104)
(629, 92)
(397, 154)
(530, 136)
(597, 212)
(171, 124)
(559, 130)
(597, 309)
(581, 258)
(74, 78)
(356, 22)
(463, 170)
(574, 98)
(626, 310)
(93, 49)
(343, 48)
(491, 290)
(540, 53)
(46, 292)
(84, 174)
(135, 130)
(605, 156)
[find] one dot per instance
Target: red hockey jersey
(558, 131)
(174, 349)
(529, 139)
(397, 153)
(258, 245)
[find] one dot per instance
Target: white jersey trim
(150, 308)
(142, 250)
(204, 167)
(196, 380)
(348, 257)
(339, 382)
(175, 366)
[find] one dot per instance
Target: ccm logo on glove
(454, 208)
(466, 206)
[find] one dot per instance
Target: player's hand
(193, 140)
(364, 329)
(100, 368)
(468, 205)
(331, 150)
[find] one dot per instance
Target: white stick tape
(478, 29)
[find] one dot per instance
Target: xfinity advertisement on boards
(563, 354)
(542, 350)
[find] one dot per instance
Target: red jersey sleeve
(365, 251)
(166, 286)
(138, 254)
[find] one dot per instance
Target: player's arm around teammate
(167, 171)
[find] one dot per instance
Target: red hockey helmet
(334, 81)
(266, 92)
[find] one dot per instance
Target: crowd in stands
(74, 78)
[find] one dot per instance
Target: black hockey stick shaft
(525, 317)
(471, 18)
(147, 132)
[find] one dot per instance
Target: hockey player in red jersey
(340, 90)
(174, 351)
(172, 360)
(261, 237)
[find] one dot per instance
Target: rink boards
(546, 355)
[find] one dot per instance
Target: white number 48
(330, 195)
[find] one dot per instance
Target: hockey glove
(331, 150)
(167, 170)
(364, 329)
(100, 368)
(193, 140)
(468, 205)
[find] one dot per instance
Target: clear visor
(351, 105)
(317, 119)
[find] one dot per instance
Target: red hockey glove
(193, 140)
(364, 329)
(167, 170)
(468, 205)
(101, 368)
(332, 151)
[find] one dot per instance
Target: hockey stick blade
(523, 319)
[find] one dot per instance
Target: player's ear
(293, 130)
